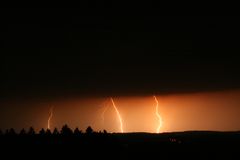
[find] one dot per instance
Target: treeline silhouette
(91, 143)
(65, 130)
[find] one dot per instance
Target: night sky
(51, 53)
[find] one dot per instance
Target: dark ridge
(70, 143)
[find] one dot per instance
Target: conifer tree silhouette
(10, 132)
(77, 131)
(48, 132)
(31, 131)
(42, 132)
(23, 132)
(89, 130)
(55, 131)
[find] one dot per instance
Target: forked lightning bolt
(50, 117)
(158, 115)
(118, 114)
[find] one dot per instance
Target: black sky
(65, 52)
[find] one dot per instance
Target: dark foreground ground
(191, 145)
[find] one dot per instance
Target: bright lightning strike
(49, 118)
(118, 114)
(158, 115)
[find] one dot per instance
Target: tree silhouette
(31, 131)
(48, 132)
(55, 131)
(22, 132)
(89, 130)
(11, 132)
(104, 131)
(66, 130)
(77, 131)
(42, 132)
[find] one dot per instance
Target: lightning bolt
(158, 115)
(118, 114)
(50, 117)
(104, 106)
(103, 113)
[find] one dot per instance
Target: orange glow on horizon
(118, 114)
(217, 111)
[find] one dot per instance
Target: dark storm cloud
(68, 51)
